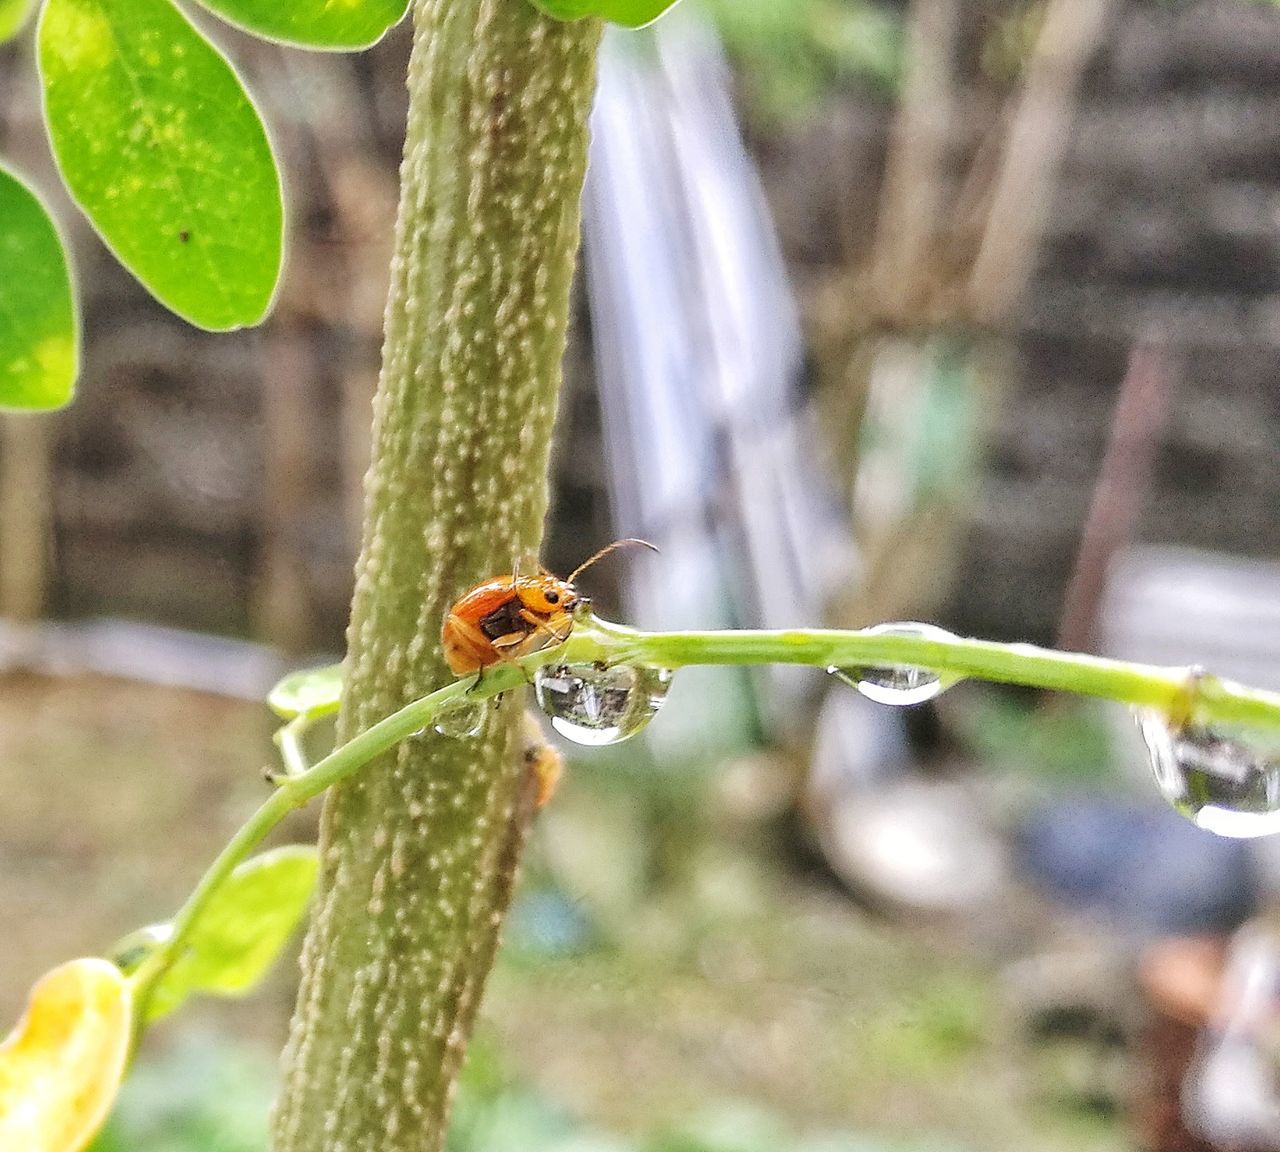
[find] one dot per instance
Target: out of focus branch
(1033, 156)
(911, 201)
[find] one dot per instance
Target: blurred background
(959, 311)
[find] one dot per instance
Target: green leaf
(314, 23)
(628, 13)
(161, 146)
(311, 692)
(791, 56)
(243, 929)
(13, 15)
(39, 330)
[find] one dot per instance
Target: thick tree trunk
(420, 850)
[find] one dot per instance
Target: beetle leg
(512, 641)
(542, 626)
(516, 639)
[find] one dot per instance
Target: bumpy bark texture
(419, 851)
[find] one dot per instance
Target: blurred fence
(212, 481)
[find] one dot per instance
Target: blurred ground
(113, 798)
(666, 960)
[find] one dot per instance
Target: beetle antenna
(605, 552)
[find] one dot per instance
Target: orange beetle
(510, 616)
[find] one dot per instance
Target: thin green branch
(296, 790)
(250, 834)
(288, 740)
(1186, 695)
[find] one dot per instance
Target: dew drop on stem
(898, 684)
(1225, 782)
(597, 704)
(129, 953)
(463, 719)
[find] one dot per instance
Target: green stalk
(1187, 694)
(298, 788)
(1183, 694)
(419, 853)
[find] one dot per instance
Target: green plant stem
(250, 834)
(295, 791)
(419, 853)
(1185, 694)
(288, 739)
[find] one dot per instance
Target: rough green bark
(419, 851)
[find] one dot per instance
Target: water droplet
(1220, 781)
(463, 720)
(593, 704)
(899, 684)
(129, 953)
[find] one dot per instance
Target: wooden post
(26, 516)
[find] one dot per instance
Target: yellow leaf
(61, 1067)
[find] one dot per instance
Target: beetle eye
(553, 597)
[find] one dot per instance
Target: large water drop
(463, 720)
(1221, 782)
(597, 704)
(899, 684)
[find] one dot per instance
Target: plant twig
(1124, 483)
(1187, 695)
(1037, 142)
(1204, 699)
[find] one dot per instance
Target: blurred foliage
(1067, 741)
(493, 1114)
(307, 691)
(918, 438)
(209, 1095)
(791, 55)
(13, 15)
(945, 1023)
(200, 1095)
(628, 13)
(1011, 41)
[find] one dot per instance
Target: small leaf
(60, 1068)
(628, 13)
(314, 23)
(39, 330)
(311, 692)
(242, 931)
(13, 15)
(161, 146)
